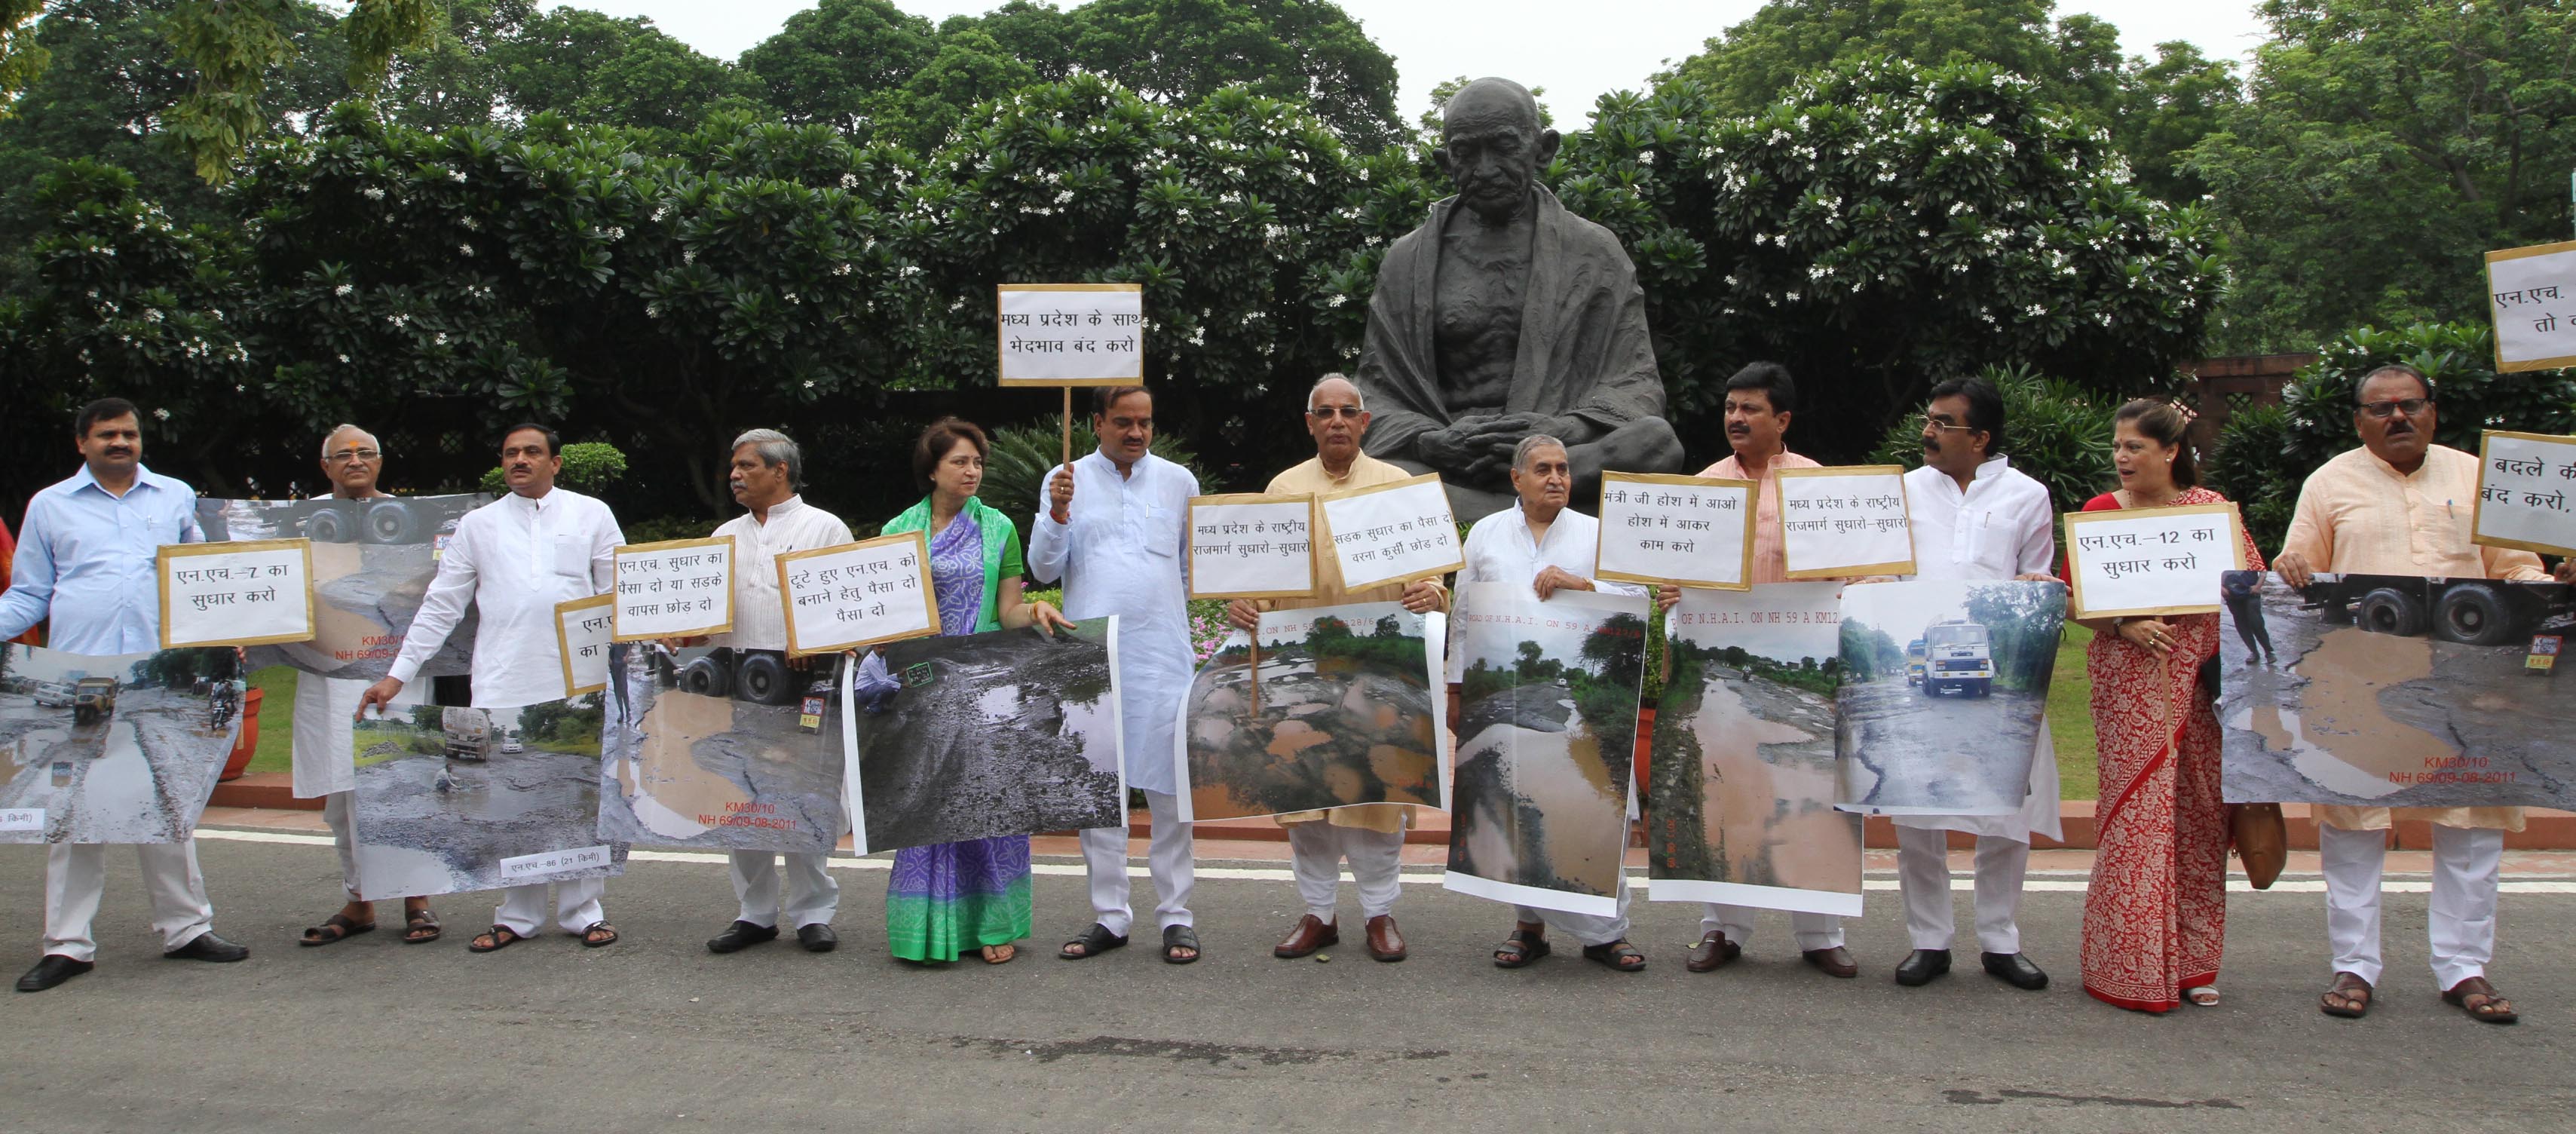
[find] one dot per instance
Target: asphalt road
(655, 1033)
(1949, 743)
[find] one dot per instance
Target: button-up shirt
(1126, 552)
(1770, 563)
(514, 559)
(85, 560)
(1500, 549)
(759, 612)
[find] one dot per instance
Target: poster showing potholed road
(1743, 771)
(2396, 691)
(116, 749)
(372, 561)
(454, 799)
(722, 749)
(1944, 690)
(1346, 710)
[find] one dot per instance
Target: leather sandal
(420, 927)
(1619, 955)
(1522, 949)
(2353, 991)
(1177, 938)
(501, 937)
(1091, 942)
(336, 927)
(2491, 1007)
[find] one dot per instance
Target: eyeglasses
(345, 456)
(2408, 406)
(1937, 423)
(1329, 412)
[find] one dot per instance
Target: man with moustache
(514, 560)
(324, 749)
(85, 565)
(1369, 835)
(1125, 551)
(2401, 505)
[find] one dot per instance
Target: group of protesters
(1110, 527)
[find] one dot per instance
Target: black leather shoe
(52, 970)
(208, 947)
(817, 938)
(1921, 966)
(741, 935)
(2016, 970)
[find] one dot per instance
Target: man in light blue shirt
(85, 566)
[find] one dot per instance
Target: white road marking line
(2044, 882)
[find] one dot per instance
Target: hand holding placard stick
(242, 593)
(2152, 561)
(858, 594)
(678, 588)
(1846, 522)
(1691, 530)
(2526, 492)
(1070, 335)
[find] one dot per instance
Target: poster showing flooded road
(372, 562)
(721, 749)
(451, 800)
(1744, 768)
(2396, 691)
(1945, 688)
(1547, 728)
(1012, 732)
(1347, 711)
(118, 749)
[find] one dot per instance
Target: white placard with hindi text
(1394, 532)
(2526, 492)
(582, 636)
(1072, 334)
(22, 819)
(2151, 561)
(1250, 546)
(674, 589)
(547, 864)
(858, 594)
(242, 593)
(1695, 531)
(1845, 522)
(2531, 294)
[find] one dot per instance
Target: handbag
(2262, 839)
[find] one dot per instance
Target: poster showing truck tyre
(1944, 689)
(373, 559)
(118, 749)
(722, 749)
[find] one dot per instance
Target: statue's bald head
(1494, 101)
(1492, 146)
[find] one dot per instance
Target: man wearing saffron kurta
(1370, 835)
(2401, 505)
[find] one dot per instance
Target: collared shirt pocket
(1159, 529)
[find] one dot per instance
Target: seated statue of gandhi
(1505, 315)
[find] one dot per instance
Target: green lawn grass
(276, 686)
(2070, 718)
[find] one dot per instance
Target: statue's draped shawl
(1584, 350)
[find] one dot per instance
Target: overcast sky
(1577, 49)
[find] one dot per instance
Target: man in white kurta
(1116, 533)
(1542, 544)
(513, 560)
(767, 470)
(1974, 517)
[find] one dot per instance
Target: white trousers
(523, 908)
(1104, 858)
(1584, 929)
(1316, 850)
(1923, 873)
(2461, 918)
(336, 810)
(76, 878)
(1813, 930)
(812, 895)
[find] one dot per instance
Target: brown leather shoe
(1714, 951)
(1311, 933)
(1384, 943)
(1836, 962)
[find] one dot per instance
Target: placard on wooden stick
(1395, 532)
(2531, 295)
(1693, 530)
(1090, 334)
(1252, 546)
(2526, 492)
(858, 594)
(2152, 561)
(582, 637)
(678, 588)
(241, 593)
(1845, 521)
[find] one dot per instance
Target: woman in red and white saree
(2155, 915)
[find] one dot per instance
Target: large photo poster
(2396, 691)
(1743, 768)
(1547, 731)
(1347, 709)
(1945, 689)
(721, 749)
(116, 749)
(975, 736)
(372, 562)
(451, 800)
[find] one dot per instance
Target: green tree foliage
(2055, 432)
(1615, 650)
(2385, 146)
(2022, 621)
(1869, 653)
(589, 67)
(234, 47)
(835, 62)
(22, 55)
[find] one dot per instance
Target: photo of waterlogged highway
(1343, 715)
(715, 749)
(372, 562)
(1954, 735)
(2369, 697)
(119, 749)
(447, 796)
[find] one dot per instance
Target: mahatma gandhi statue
(1504, 315)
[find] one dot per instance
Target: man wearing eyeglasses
(324, 749)
(2402, 505)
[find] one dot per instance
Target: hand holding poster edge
(2495, 313)
(929, 598)
(563, 640)
(618, 634)
(169, 553)
(2477, 512)
(2074, 555)
(1321, 529)
(1744, 570)
(1313, 525)
(1001, 338)
(1905, 498)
